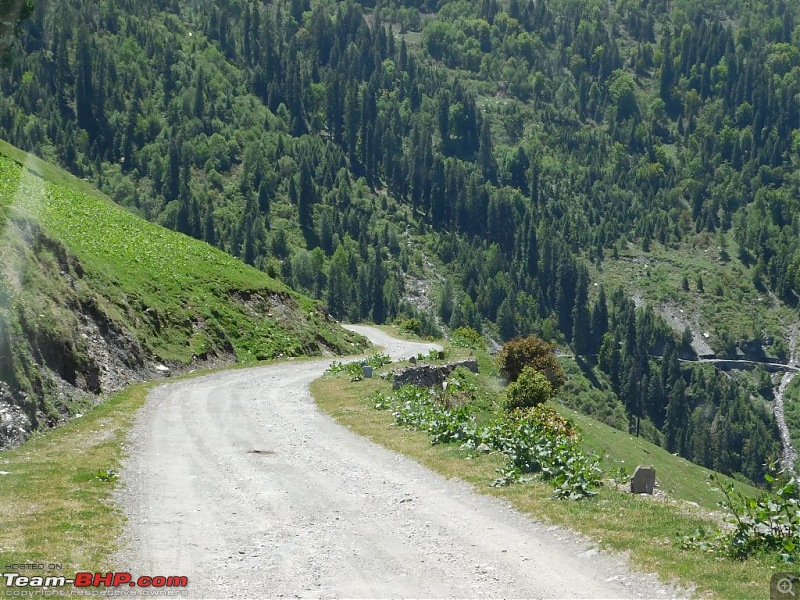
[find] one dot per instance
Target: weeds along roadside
(651, 531)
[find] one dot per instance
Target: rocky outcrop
(428, 375)
(15, 426)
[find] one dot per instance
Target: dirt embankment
(64, 344)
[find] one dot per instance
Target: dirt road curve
(237, 481)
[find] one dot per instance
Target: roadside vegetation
(56, 490)
(673, 533)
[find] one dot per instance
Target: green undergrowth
(534, 441)
(768, 524)
(651, 530)
(355, 369)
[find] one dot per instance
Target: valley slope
(580, 170)
(93, 298)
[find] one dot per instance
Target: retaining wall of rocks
(431, 375)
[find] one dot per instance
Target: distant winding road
(239, 482)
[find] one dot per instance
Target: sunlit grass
(729, 298)
(55, 502)
(646, 529)
(179, 296)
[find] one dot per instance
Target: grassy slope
(678, 477)
(646, 529)
(136, 266)
(68, 254)
(48, 171)
(54, 506)
(656, 278)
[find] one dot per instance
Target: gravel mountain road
(237, 481)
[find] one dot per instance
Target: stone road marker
(643, 480)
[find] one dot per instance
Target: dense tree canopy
(340, 146)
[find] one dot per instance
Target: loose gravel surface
(237, 481)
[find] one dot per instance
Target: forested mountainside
(505, 155)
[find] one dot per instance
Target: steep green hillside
(466, 163)
(92, 297)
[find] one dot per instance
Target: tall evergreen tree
(581, 329)
(306, 198)
(676, 418)
(84, 83)
(378, 281)
(599, 324)
(486, 159)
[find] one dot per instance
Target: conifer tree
(582, 334)
(378, 279)
(599, 321)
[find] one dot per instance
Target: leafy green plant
(421, 410)
(536, 440)
(106, 475)
(621, 476)
(768, 524)
(467, 337)
(532, 388)
(355, 368)
(540, 441)
(350, 368)
(460, 389)
(378, 359)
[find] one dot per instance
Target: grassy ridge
(75, 267)
(48, 171)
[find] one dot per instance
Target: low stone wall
(431, 375)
